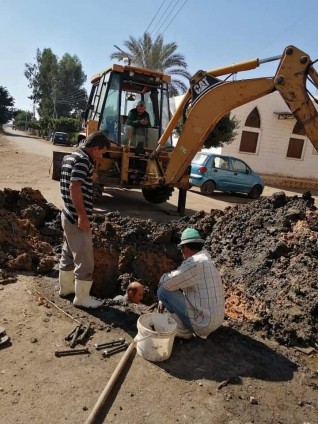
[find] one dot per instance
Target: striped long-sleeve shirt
(202, 286)
(77, 167)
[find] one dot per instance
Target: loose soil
(261, 366)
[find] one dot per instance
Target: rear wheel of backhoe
(157, 195)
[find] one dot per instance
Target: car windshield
(199, 158)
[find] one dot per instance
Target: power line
(175, 16)
(155, 15)
(160, 23)
(76, 93)
(164, 16)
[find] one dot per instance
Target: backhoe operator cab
(114, 93)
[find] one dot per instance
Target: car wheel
(255, 192)
(207, 188)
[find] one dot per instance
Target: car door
(220, 172)
(241, 176)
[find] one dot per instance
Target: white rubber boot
(82, 297)
(66, 280)
(182, 331)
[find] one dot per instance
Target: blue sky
(208, 33)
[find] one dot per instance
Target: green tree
(56, 84)
(43, 77)
(70, 96)
(65, 124)
(6, 106)
(23, 119)
(154, 54)
(223, 133)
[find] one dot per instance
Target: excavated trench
(266, 252)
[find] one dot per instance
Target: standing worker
(76, 184)
(193, 293)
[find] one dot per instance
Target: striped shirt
(202, 287)
(77, 167)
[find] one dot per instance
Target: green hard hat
(190, 235)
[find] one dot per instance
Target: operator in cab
(138, 116)
(136, 126)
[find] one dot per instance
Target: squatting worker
(138, 116)
(77, 259)
(134, 293)
(193, 293)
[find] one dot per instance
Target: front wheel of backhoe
(157, 195)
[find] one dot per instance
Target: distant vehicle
(61, 138)
(211, 172)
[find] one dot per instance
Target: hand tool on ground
(109, 352)
(99, 346)
(71, 352)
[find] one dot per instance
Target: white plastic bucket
(156, 333)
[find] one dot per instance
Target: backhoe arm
(212, 98)
(290, 81)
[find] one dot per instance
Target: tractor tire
(157, 195)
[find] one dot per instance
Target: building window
(299, 129)
(250, 135)
(253, 119)
(296, 145)
(248, 142)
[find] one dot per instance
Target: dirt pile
(266, 252)
(29, 230)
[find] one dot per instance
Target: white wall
(275, 133)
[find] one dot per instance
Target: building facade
(271, 141)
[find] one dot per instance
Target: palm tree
(154, 54)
